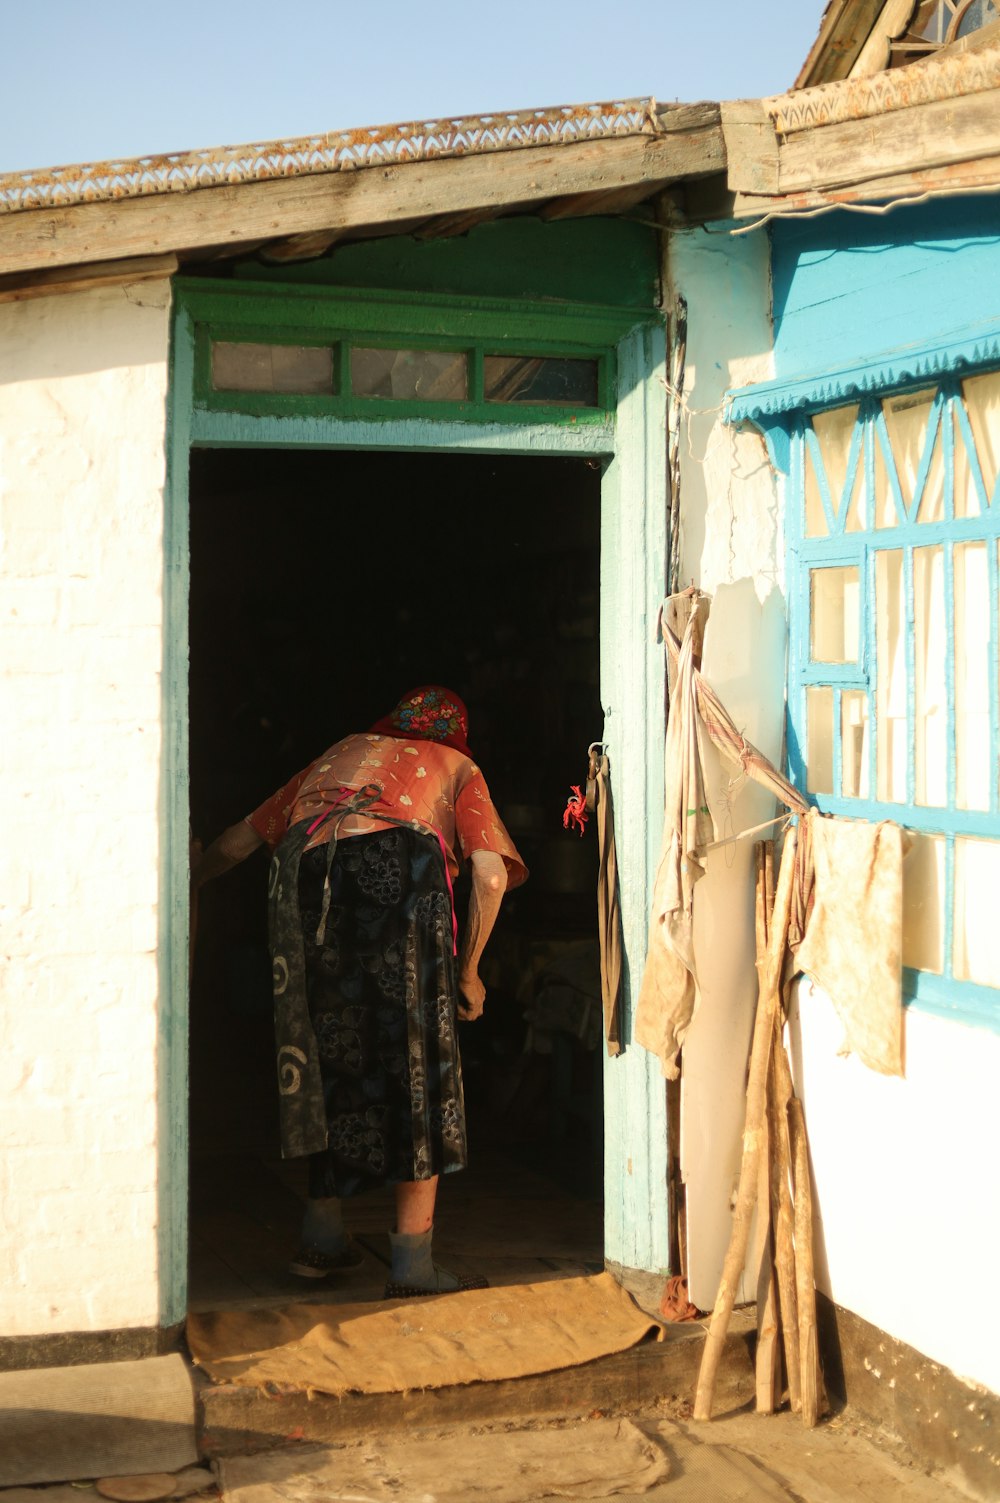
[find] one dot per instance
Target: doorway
(323, 584)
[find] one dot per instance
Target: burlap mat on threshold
(479, 1336)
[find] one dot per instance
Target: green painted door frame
(629, 437)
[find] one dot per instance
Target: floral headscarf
(429, 713)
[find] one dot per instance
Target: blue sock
(413, 1265)
(323, 1225)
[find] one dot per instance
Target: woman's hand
(473, 996)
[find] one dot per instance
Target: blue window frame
(893, 535)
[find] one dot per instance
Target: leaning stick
(780, 1091)
(767, 1359)
(806, 1288)
(756, 1087)
(768, 1392)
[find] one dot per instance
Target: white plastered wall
(906, 1183)
(730, 545)
(83, 383)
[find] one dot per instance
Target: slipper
(414, 1291)
(314, 1263)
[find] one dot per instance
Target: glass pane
(972, 676)
(835, 431)
(815, 515)
(931, 696)
(890, 700)
(966, 490)
(923, 904)
(906, 419)
(935, 27)
(886, 508)
(857, 503)
(528, 378)
(835, 620)
(854, 743)
(979, 13)
(976, 933)
(982, 402)
(819, 739)
(305, 370)
(410, 375)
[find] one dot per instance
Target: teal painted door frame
(632, 445)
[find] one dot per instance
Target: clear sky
(85, 80)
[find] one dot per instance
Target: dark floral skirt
(382, 995)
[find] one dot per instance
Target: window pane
(410, 375)
(528, 378)
(304, 370)
(936, 26)
(976, 932)
(931, 696)
(816, 526)
(966, 490)
(890, 701)
(907, 418)
(819, 717)
(857, 503)
(979, 13)
(982, 402)
(886, 506)
(923, 904)
(835, 607)
(854, 743)
(972, 676)
(835, 431)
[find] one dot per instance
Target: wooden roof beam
(447, 226)
(294, 248)
(618, 201)
(20, 286)
(350, 200)
(982, 174)
(939, 134)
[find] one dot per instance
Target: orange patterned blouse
(432, 785)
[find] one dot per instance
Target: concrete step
(235, 1419)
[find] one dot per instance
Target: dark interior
(324, 585)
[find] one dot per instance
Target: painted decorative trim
(769, 401)
(332, 151)
(389, 431)
(897, 89)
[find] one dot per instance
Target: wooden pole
(767, 1359)
(805, 1282)
(781, 1214)
(752, 1135)
(768, 1384)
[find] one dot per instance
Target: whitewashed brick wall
(83, 381)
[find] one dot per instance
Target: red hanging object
(575, 813)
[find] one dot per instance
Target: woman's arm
(489, 883)
(228, 850)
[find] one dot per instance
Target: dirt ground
(739, 1458)
(659, 1457)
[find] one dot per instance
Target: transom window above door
(332, 352)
